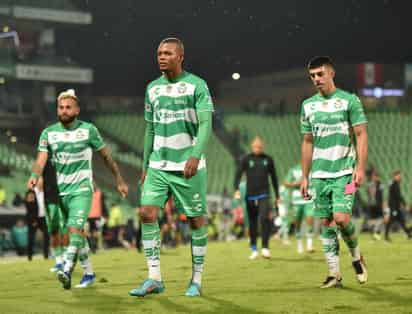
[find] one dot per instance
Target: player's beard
(66, 120)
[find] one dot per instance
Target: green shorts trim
(75, 209)
(189, 194)
(331, 198)
(301, 211)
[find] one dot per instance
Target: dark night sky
(240, 35)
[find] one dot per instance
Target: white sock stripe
(199, 238)
(327, 241)
(71, 249)
(149, 244)
(199, 250)
(150, 232)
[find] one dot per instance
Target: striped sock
(349, 236)
(151, 247)
(84, 258)
(331, 249)
(199, 248)
(75, 244)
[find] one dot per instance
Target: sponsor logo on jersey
(169, 89)
(180, 101)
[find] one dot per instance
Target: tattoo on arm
(110, 163)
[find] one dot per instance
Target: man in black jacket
(396, 203)
(375, 202)
(258, 167)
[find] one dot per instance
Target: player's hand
(31, 183)
(304, 189)
(122, 188)
(191, 167)
(142, 177)
(358, 177)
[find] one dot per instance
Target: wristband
(34, 175)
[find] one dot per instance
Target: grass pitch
(288, 283)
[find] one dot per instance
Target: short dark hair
(319, 61)
(174, 40)
(396, 172)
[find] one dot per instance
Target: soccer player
(69, 144)
(178, 113)
(258, 167)
(329, 119)
(301, 209)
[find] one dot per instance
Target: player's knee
(341, 220)
(148, 214)
(197, 222)
(75, 230)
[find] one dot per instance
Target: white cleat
(254, 255)
(266, 253)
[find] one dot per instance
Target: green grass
(287, 283)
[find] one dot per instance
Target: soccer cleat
(360, 270)
(266, 253)
(56, 268)
(149, 286)
(87, 280)
(332, 282)
(254, 255)
(376, 237)
(65, 279)
(193, 290)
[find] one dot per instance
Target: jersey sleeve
(43, 142)
(203, 98)
(148, 108)
(96, 140)
(356, 113)
(305, 125)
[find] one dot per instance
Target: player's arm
(147, 148)
(114, 168)
(204, 110)
(273, 177)
(306, 162)
(362, 153)
(37, 169)
(203, 135)
(239, 172)
(358, 121)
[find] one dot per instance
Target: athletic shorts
(189, 195)
(303, 210)
(75, 209)
(330, 196)
(54, 219)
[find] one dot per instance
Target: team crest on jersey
(324, 104)
(251, 163)
(182, 88)
(66, 135)
(265, 162)
(169, 89)
(338, 104)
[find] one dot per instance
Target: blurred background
(252, 55)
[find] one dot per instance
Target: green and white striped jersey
(330, 119)
(295, 175)
(172, 107)
(71, 153)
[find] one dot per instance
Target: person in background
(396, 202)
(95, 215)
(17, 200)
(19, 237)
(41, 216)
(375, 203)
(2, 195)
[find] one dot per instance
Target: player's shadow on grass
(373, 293)
(215, 305)
(306, 259)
